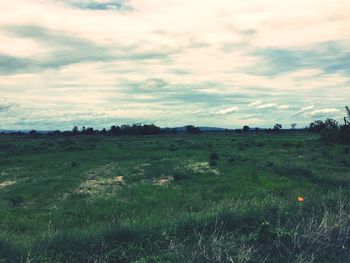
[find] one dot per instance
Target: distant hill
(202, 129)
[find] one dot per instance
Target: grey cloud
(153, 84)
(180, 71)
(120, 5)
(10, 64)
(5, 106)
(68, 50)
(330, 57)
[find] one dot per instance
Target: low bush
(214, 156)
(181, 174)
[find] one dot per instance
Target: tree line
(330, 130)
(122, 130)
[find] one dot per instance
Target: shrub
(214, 156)
(180, 174)
(344, 134)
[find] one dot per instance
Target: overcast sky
(225, 63)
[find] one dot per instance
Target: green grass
(207, 198)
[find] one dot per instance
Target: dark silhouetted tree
(89, 131)
(115, 130)
(277, 128)
(104, 132)
(75, 130)
(190, 129)
(316, 126)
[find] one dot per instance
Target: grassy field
(206, 198)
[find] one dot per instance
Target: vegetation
(179, 198)
(256, 195)
(331, 131)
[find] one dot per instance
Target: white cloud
(267, 106)
(283, 107)
(307, 108)
(227, 111)
(255, 103)
(323, 112)
(303, 110)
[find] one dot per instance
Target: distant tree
(245, 128)
(277, 127)
(89, 131)
(344, 131)
(150, 129)
(115, 130)
(33, 132)
(75, 130)
(104, 132)
(126, 129)
(316, 126)
(293, 126)
(347, 120)
(190, 129)
(319, 126)
(56, 132)
(331, 124)
(330, 131)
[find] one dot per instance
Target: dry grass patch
(101, 179)
(201, 168)
(6, 183)
(163, 181)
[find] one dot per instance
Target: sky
(223, 63)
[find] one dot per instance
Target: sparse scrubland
(174, 198)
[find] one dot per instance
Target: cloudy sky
(225, 63)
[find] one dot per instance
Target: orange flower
(300, 199)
